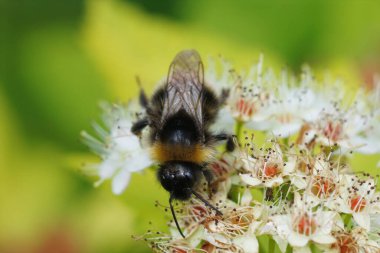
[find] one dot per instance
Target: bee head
(179, 178)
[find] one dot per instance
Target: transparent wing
(184, 86)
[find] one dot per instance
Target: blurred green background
(60, 58)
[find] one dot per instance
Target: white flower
(119, 149)
(219, 74)
(264, 167)
(248, 94)
(303, 224)
(324, 181)
(248, 243)
(371, 135)
(358, 197)
(351, 127)
(344, 128)
(293, 190)
(292, 103)
(224, 122)
(356, 240)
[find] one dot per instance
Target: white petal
(224, 122)
(261, 124)
(320, 166)
(311, 199)
(285, 130)
(297, 240)
(120, 181)
(375, 221)
(248, 244)
(342, 204)
(250, 180)
(326, 219)
(290, 165)
(218, 240)
(107, 168)
(363, 220)
(274, 182)
(282, 223)
(195, 238)
(140, 160)
(323, 239)
(246, 198)
(302, 250)
(127, 143)
(298, 181)
(282, 244)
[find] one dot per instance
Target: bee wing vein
(184, 87)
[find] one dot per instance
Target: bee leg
(209, 176)
(206, 202)
(229, 138)
(223, 96)
(174, 216)
(139, 125)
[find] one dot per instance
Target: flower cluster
(121, 151)
(295, 191)
(293, 196)
(285, 105)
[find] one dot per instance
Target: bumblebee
(179, 116)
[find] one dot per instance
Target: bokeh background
(60, 58)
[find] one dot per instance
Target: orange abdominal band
(166, 152)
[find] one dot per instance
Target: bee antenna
(206, 202)
(174, 216)
(138, 81)
(144, 101)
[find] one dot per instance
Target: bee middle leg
(209, 176)
(229, 138)
(139, 125)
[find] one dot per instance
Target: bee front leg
(223, 96)
(139, 125)
(229, 138)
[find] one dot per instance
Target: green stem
(347, 220)
(286, 141)
(314, 248)
(271, 245)
(238, 128)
